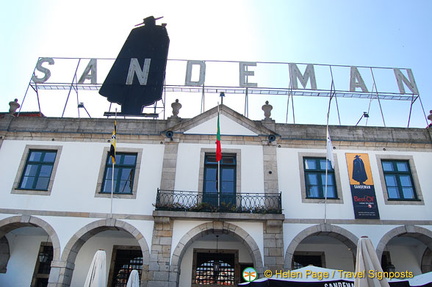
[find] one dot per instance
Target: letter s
(46, 71)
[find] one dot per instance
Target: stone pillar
(169, 165)
(159, 269)
(60, 274)
(273, 245)
(271, 181)
(4, 254)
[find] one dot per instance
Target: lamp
(222, 95)
(43, 255)
(365, 115)
(390, 267)
(81, 106)
(216, 264)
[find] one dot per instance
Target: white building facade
(275, 204)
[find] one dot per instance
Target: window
(43, 265)
(38, 170)
(215, 268)
(315, 178)
(398, 180)
(303, 259)
(126, 259)
(124, 173)
(227, 175)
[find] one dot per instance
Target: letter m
(309, 74)
(135, 69)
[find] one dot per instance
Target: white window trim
(23, 162)
(205, 151)
(102, 171)
(338, 200)
(414, 176)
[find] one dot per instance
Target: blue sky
(353, 33)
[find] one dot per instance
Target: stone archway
(421, 234)
(11, 223)
(341, 234)
(66, 266)
(208, 228)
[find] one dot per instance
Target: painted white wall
(23, 248)
(227, 127)
(290, 181)
(75, 183)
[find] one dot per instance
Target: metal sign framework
(194, 83)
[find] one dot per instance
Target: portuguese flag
(218, 142)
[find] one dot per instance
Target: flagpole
(112, 168)
(327, 155)
(218, 171)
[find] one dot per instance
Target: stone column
(273, 245)
(271, 181)
(159, 269)
(169, 165)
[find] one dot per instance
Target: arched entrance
(327, 245)
(221, 239)
(407, 247)
(110, 235)
(27, 244)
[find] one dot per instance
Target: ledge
(191, 215)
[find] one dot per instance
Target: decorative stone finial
(430, 118)
(13, 106)
(176, 106)
(267, 110)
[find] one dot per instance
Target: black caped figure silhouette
(137, 76)
(359, 171)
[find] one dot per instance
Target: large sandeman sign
(137, 76)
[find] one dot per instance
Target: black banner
(362, 186)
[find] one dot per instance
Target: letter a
(356, 81)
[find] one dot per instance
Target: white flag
(330, 150)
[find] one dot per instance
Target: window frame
(102, 170)
(47, 248)
(414, 177)
(115, 251)
(305, 199)
(226, 151)
(233, 252)
(23, 165)
(222, 194)
(320, 254)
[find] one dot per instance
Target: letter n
(401, 80)
(135, 69)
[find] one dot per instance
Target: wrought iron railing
(177, 200)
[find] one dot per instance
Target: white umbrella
(421, 280)
(97, 274)
(133, 280)
(366, 260)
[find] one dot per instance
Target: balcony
(177, 200)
